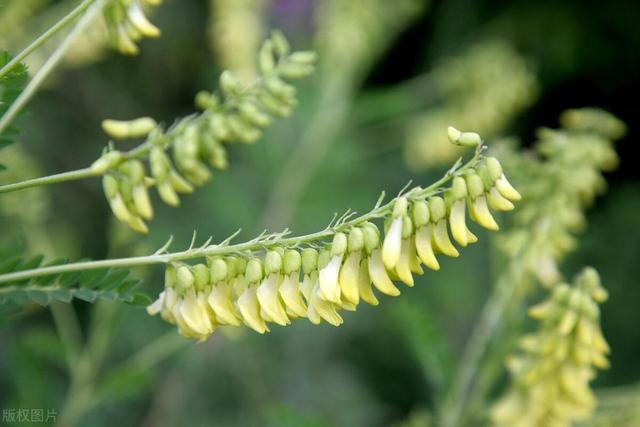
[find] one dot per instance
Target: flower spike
(319, 281)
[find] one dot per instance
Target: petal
(307, 285)
(441, 239)
(364, 284)
(140, 22)
(329, 286)
(312, 315)
(141, 201)
(222, 305)
(414, 261)
(392, 243)
(208, 314)
(349, 278)
(403, 266)
(505, 188)
(290, 293)
(155, 307)
(325, 309)
(424, 248)
(379, 275)
(457, 223)
(269, 297)
(193, 315)
(250, 310)
(481, 214)
(497, 201)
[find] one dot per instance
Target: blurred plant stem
(47, 180)
(44, 37)
(87, 18)
(454, 404)
(85, 364)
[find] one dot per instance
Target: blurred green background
(391, 76)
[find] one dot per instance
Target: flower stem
(66, 20)
(257, 244)
(455, 403)
(49, 65)
(51, 179)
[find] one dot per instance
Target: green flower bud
(356, 240)
(206, 100)
(160, 164)
(475, 186)
(134, 169)
(309, 260)
(229, 84)
(371, 236)
(323, 258)
(266, 61)
(279, 88)
(170, 276)
(254, 271)
(407, 227)
(106, 162)
(292, 70)
(280, 43)
(272, 263)
(466, 139)
(252, 114)
(110, 186)
(218, 127)
(494, 167)
(400, 207)
(274, 106)
(458, 188)
(137, 128)
(185, 278)
(420, 213)
(304, 57)
(201, 276)
(218, 270)
(339, 244)
(292, 261)
(437, 209)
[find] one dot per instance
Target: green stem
(454, 404)
(49, 65)
(139, 152)
(260, 243)
(51, 179)
(66, 20)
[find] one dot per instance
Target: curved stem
(452, 412)
(50, 64)
(260, 243)
(66, 20)
(51, 179)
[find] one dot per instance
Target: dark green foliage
(10, 87)
(92, 285)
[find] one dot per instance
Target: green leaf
(89, 285)
(11, 85)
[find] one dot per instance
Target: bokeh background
(392, 75)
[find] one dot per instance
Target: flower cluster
(238, 114)
(483, 88)
(318, 282)
(559, 187)
(127, 23)
(551, 378)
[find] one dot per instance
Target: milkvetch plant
(310, 277)
(358, 258)
(550, 379)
